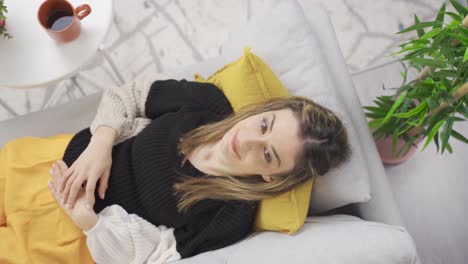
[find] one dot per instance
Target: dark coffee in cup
(59, 20)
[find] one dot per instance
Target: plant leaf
(464, 111)
(404, 149)
(454, 24)
(464, 31)
(419, 41)
(397, 103)
(454, 16)
(420, 25)
(458, 119)
(429, 62)
(433, 120)
(411, 123)
(431, 103)
(423, 116)
(449, 148)
(459, 37)
(447, 97)
(405, 104)
(460, 9)
(440, 15)
(428, 80)
(459, 136)
(420, 93)
(432, 133)
(445, 135)
(443, 74)
(386, 98)
(415, 53)
(436, 140)
(374, 115)
(412, 112)
(374, 109)
(431, 33)
(465, 57)
(408, 48)
(420, 31)
(375, 123)
(379, 103)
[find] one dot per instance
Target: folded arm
(123, 108)
(130, 108)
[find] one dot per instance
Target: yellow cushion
(249, 80)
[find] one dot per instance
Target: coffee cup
(61, 20)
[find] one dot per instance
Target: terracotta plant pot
(384, 146)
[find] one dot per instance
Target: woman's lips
(235, 145)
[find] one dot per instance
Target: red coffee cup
(60, 20)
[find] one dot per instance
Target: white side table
(31, 58)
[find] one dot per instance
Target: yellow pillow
(249, 80)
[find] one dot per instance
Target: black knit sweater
(144, 169)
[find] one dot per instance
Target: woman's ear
(267, 178)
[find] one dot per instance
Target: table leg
(8, 108)
(112, 64)
(73, 80)
(85, 77)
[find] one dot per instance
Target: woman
(173, 153)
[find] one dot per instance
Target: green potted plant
(427, 107)
(3, 11)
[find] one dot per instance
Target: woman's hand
(92, 165)
(80, 214)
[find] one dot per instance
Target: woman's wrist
(90, 222)
(104, 135)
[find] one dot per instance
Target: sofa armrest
(382, 207)
(68, 118)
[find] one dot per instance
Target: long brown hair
(325, 146)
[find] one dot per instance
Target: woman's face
(263, 144)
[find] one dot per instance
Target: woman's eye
(267, 155)
(264, 126)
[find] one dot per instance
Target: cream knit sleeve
(123, 108)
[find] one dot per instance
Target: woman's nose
(252, 141)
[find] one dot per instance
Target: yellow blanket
(33, 228)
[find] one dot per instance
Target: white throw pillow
(284, 39)
(323, 239)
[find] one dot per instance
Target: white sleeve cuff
(119, 237)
